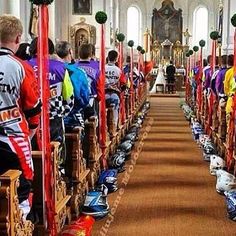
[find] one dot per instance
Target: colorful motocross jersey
(213, 81)
(220, 81)
(113, 74)
(207, 78)
(61, 88)
(92, 70)
(229, 88)
(80, 84)
(19, 97)
(229, 82)
(20, 108)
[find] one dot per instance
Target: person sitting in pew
(227, 63)
(92, 70)
(114, 83)
(229, 86)
(80, 84)
(20, 109)
(61, 94)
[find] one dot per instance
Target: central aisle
(170, 191)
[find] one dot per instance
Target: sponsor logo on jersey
(10, 115)
(6, 88)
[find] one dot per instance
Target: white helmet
(207, 157)
(225, 181)
(217, 163)
(203, 138)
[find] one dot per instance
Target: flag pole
(101, 18)
(42, 61)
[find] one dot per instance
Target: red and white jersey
(113, 74)
(19, 97)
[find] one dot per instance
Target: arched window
(134, 25)
(200, 25)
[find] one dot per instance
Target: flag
(49, 179)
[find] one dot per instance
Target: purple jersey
(207, 82)
(92, 70)
(61, 89)
(220, 81)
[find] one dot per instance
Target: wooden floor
(168, 191)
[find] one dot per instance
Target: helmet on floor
(126, 146)
(206, 157)
(225, 181)
(109, 179)
(131, 136)
(134, 129)
(197, 130)
(96, 204)
(203, 138)
(216, 163)
(117, 161)
(230, 197)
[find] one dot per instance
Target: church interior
(117, 117)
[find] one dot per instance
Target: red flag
(122, 81)
(103, 122)
(45, 94)
(213, 56)
(131, 78)
(148, 66)
(139, 62)
(199, 83)
(211, 98)
(120, 59)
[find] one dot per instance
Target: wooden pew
(76, 170)
(114, 136)
(221, 131)
(62, 212)
(92, 152)
(11, 217)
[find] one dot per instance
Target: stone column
(3, 7)
(117, 21)
(13, 7)
(112, 23)
(51, 11)
(225, 26)
(25, 8)
(232, 8)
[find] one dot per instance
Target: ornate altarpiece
(167, 23)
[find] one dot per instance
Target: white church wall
(230, 37)
(61, 17)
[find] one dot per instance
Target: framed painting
(82, 7)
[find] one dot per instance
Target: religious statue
(187, 35)
(155, 51)
(167, 27)
(33, 25)
(82, 39)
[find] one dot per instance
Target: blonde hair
(10, 27)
